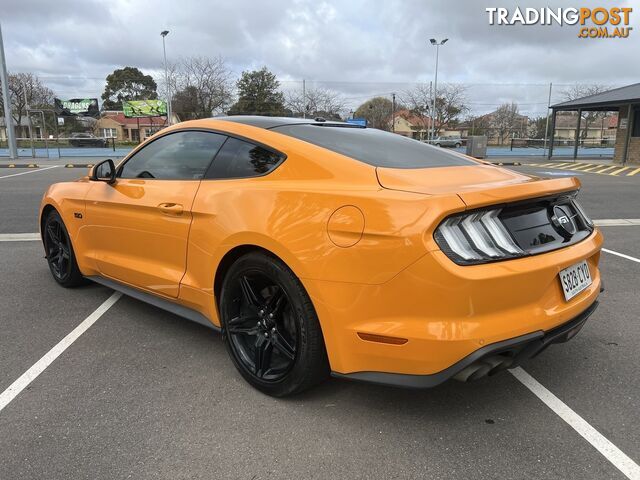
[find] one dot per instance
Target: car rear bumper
(442, 313)
(485, 361)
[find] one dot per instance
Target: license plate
(575, 279)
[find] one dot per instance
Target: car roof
(273, 122)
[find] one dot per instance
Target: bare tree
(317, 102)
(450, 104)
(200, 86)
(506, 120)
(26, 88)
(580, 90)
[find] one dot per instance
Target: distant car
(447, 142)
(86, 140)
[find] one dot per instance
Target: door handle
(171, 208)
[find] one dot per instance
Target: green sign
(144, 108)
(82, 107)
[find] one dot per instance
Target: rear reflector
(370, 337)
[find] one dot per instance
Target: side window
(176, 156)
(240, 159)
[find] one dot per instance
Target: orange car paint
(381, 274)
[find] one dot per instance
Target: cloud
(359, 48)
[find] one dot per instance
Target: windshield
(375, 147)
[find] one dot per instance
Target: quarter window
(375, 147)
(176, 156)
(240, 159)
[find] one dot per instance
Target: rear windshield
(375, 147)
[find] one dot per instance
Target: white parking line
(19, 237)
(618, 222)
(30, 375)
(628, 257)
(612, 453)
(31, 171)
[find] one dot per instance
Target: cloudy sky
(356, 47)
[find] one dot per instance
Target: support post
(546, 128)
(553, 133)
(8, 119)
(393, 112)
(26, 106)
(627, 139)
(304, 98)
(577, 140)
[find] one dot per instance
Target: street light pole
(437, 44)
(8, 120)
(164, 33)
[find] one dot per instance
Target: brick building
(113, 124)
(626, 102)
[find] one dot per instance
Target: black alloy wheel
(59, 252)
(270, 328)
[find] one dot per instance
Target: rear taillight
(476, 238)
(587, 220)
(513, 230)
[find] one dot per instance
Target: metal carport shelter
(624, 100)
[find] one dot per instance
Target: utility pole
(393, 112)
(8, 119)
(430, 111)
(304, 98)
(164, 33)
(437, 44)
(26, 106)
(546, 128)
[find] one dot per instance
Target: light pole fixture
(436, 44)
(164, 33)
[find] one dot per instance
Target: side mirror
(104, 171)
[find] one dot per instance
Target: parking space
(145, 394)
(21, 190)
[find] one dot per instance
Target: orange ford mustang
(320, 247)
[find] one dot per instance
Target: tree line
(203, 87)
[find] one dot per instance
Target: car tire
(438, 145)
(270, 327)
(458, 145)
(59, 252)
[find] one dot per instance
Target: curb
(20, 165)
(34, 165)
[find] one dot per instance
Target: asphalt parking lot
(144, 394)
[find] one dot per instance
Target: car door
(138, 227)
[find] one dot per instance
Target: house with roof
(596, 127)
(22, 130)
(411, 125)
(113, 124)
(498, 129)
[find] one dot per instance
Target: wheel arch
(234, 254)
(285, 257)
(46, 210)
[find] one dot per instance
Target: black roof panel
(617, 96)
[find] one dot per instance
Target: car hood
(476, 185)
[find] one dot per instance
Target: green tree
(185, 103)
(258, 94)
(377, 112)
(128, 83)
